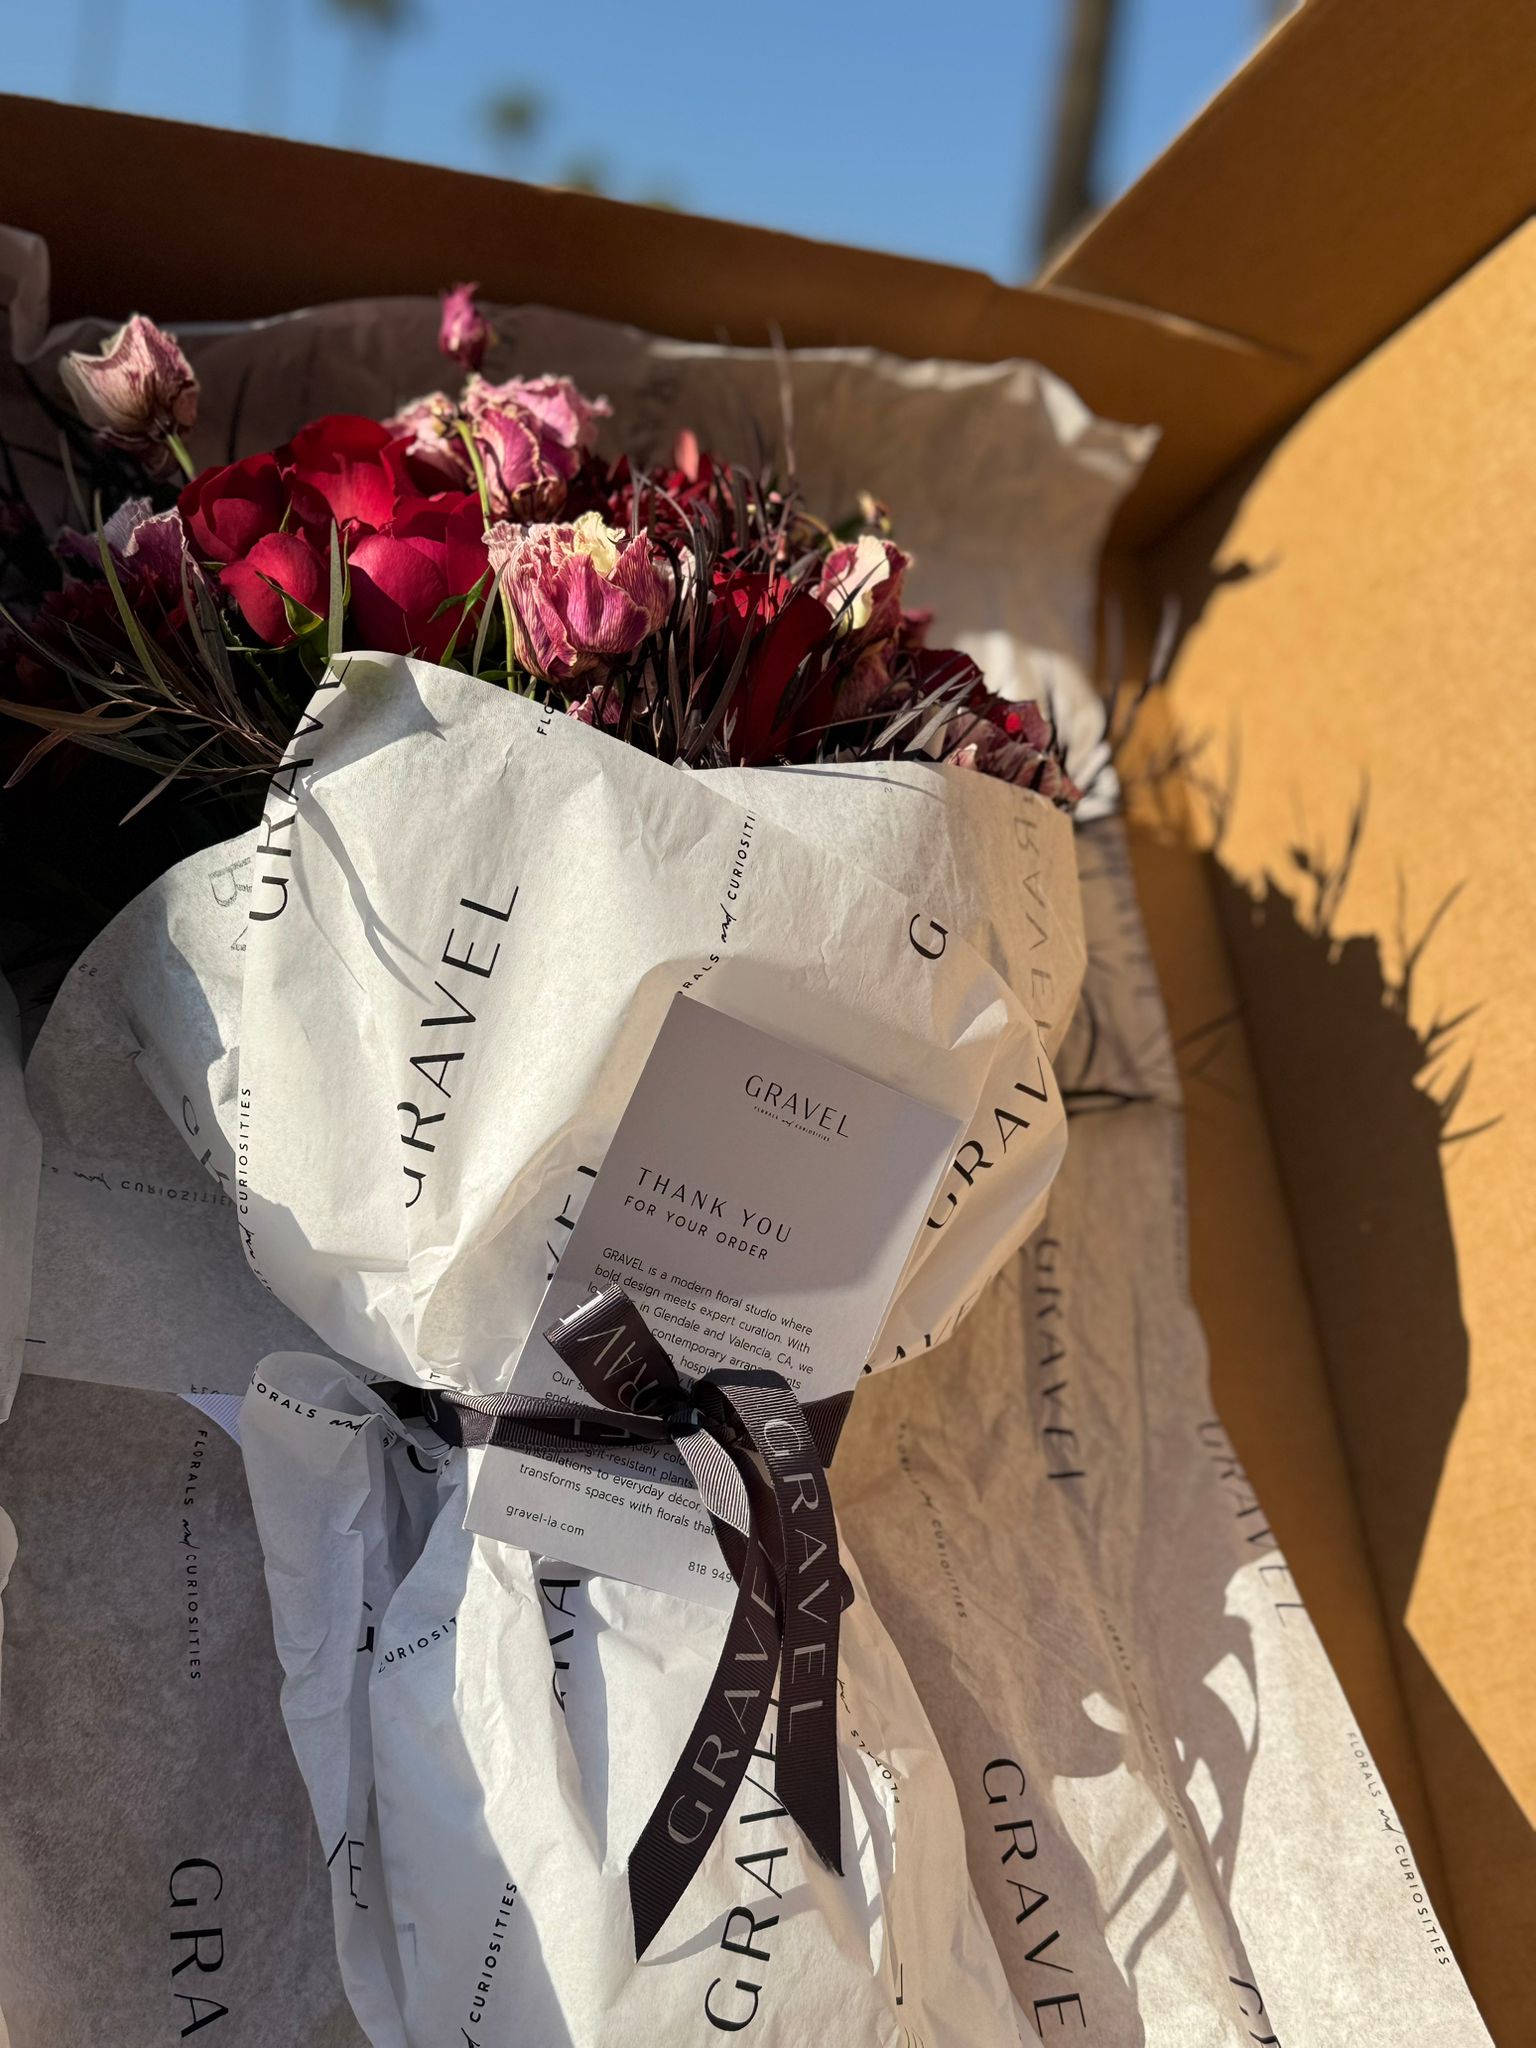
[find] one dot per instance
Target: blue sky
(919, 128)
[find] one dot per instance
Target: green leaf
(338, 604)
(464, 603)
(480, 636)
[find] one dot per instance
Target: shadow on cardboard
(1367, 1114)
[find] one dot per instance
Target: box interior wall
(1324, 295)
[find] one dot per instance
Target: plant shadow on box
(1366, 1116)
(1364, 1176)
(1372, 1091)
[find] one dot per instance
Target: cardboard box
(1324, 295)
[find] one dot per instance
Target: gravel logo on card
(786, 1104)
(741, 1246)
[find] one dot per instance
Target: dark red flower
(784, 623)
(347, 469)
(668, 499)
(226, 511)
(279, 565)
(405, 575)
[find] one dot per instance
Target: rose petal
(289, 561)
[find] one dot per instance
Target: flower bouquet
(698, 610)
(563, 759)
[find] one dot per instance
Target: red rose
(347, 469)
(226, 511)
(785, 623)
(236, 516)
(405, 575)
(279, 565)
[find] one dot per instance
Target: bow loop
(745, 1440)
(758, 1462)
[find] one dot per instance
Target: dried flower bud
(464, 333)
(138, 392)
(531, 434)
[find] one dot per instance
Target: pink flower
(532, 436)
(154, 544)
(432, 441)
(138, 539)
(464, 333)
(603, 705)
(137, 391)
(567, 421)
(861, 586)
(519, 482)
(581, 596)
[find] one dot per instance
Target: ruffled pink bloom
(142, 542)
(568, 422)
(464, 333)
(860, 586)
(119, 529)
(581, 596)
(520, 480)
(532, 434)
(603, 705)
(156, 543)
(139, 389)
(432, 440)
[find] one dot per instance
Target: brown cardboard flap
(1358, 608)
(262, 226)
(1370, 152)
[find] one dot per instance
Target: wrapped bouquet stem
(438, 1035)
